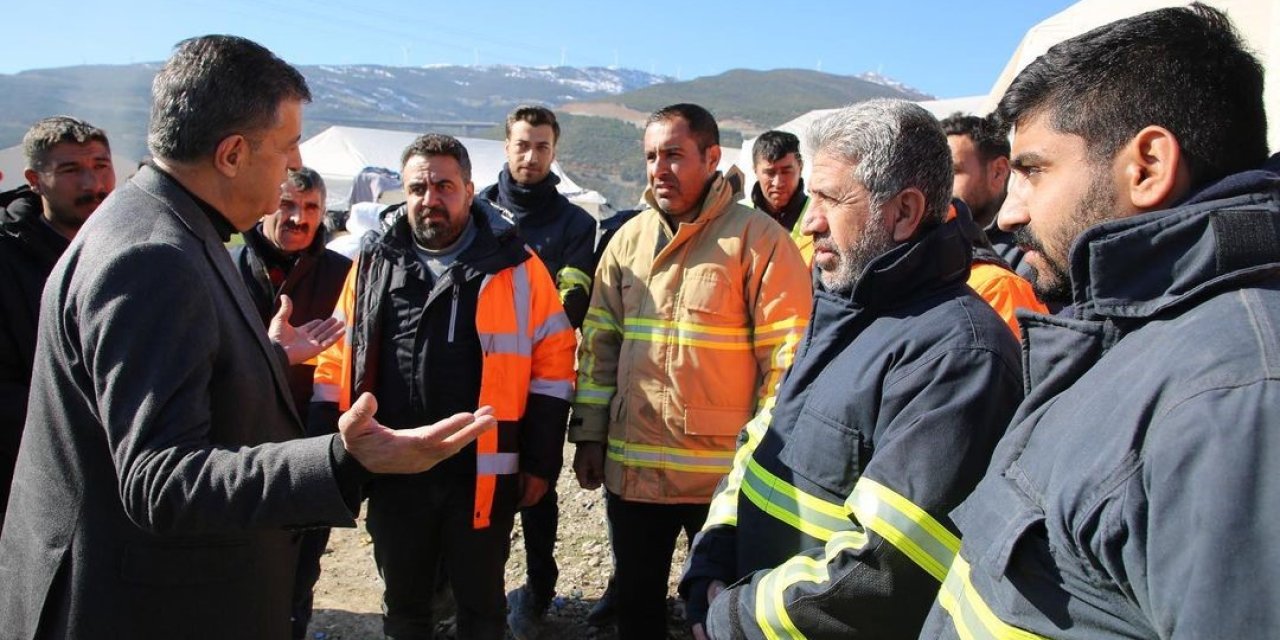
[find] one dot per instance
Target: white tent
(339, 153)
(13, 164)
(800, 127)
(1258, 22)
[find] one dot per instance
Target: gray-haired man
(838, 498)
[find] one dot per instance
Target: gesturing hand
(304, 342)
(384, 450)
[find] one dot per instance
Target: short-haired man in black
(563, 235)
(285, 255)
(779, 189)
(1134, 495)
(69, 173)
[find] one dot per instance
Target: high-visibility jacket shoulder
(527, 352)
(804, 242)
(1134, 495)
(833, 522)
(687, 333)
(1005, 291)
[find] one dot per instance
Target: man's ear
(713, 157)
(905, 211)
(33, 179)
(1152, 172)
(998, 174)
(230, 155)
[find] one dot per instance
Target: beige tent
(1257, 20)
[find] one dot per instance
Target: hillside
(752, 101)
(600, 147)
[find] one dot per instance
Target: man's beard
(1052, 283)
(875, 240)
(437, 236)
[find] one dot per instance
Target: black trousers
(644, 537)
(421, 524)
(540, 522)
(311, 545)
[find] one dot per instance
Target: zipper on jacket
(453, 315)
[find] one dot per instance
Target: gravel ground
(348, 596)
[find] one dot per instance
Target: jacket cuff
(590, 424)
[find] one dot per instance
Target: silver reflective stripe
(555, 323)
(322, 392)
(505, 343)
(498, 463)
(520, 284)
(562, 389)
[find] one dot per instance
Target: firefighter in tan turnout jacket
(698, 305)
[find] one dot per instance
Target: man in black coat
(285, 255)
(161, 469)
(563, 235)
(69, 173)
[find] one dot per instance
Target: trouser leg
(540, 522)
(475, 559)
(644, 537)
(311, 547)
(404, 520)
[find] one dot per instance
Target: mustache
(289, 225)
(91, 198)
(1023, 237)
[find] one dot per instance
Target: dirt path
(348, 596)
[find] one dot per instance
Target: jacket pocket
(824, 452)
(1001, 523)
(715, 421)
(186, 564)
(707, 295)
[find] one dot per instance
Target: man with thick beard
(1135, 495)
(450, 310)
(833, 521)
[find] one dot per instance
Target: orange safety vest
(527, 347)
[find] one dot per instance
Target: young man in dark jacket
(833, 520)
(1134, 495)
(69, 173)
(563, 235)
(449, 310)
(284, 255)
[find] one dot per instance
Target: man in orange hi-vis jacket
(450, 309)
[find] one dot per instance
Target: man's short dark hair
(44, 135)
(306, 179)
(701, 123)
(988, 136)
(213, 87)
(438, 144)
(773, 146)
(1184, 69)
(536, 116)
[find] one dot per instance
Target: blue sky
(948, 49)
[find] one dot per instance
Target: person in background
(779, 189)
(69, 173)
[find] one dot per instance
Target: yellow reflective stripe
(782, 500)
(633, 454)
(906, 526)
(589, 393)
(771, 604)
(970, 615)
(570, 277)
(691, 327)
(601, 319)
(724, 505)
